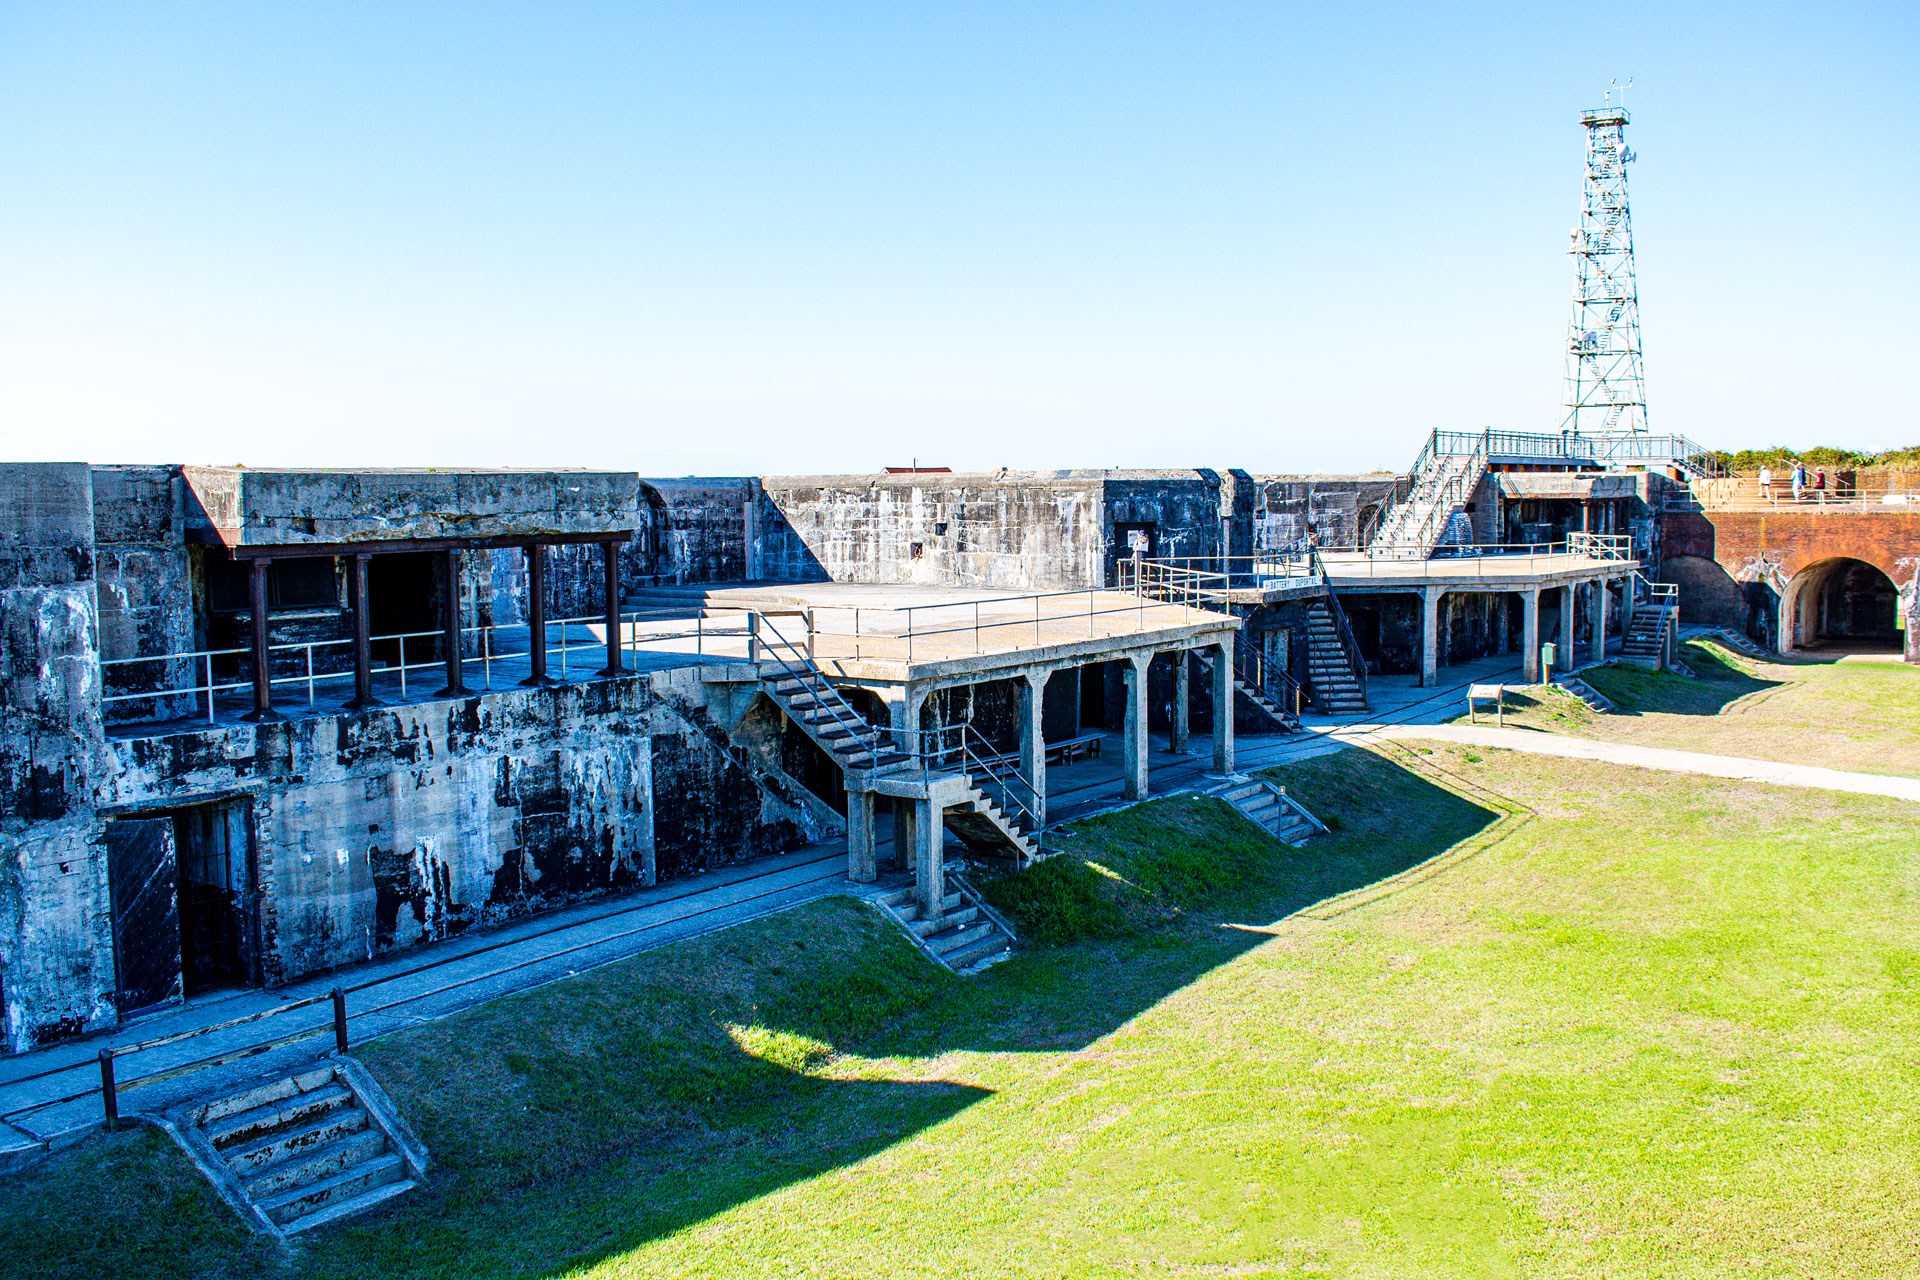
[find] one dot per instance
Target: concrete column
(362, 634)
(905, 712)
(1626, 605)
(929, 867)
(536, 615)
(262, 666)
(860, 864)
(1134, 735)
(903, 829)
(1530, 636)
(610, 567)
(1564, 650)
(1033, 742)
(1599, 618)
(1223, 707)
(1181, 733)
(1430, 635)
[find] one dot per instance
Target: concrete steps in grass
(1268, 806)
(300, 1151)
(967, 937)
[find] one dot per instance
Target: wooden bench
(1067, 750)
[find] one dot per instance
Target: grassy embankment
(1626, 1024)
(1863, 716)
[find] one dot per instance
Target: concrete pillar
(450, 624)
(903, 829)
(1430, 635)
(1181, 732)
(1134, 735)
(1530, 636)
(860, 863)
(1599, 618)
(1033, 742)
(1502, 628)
(929, 866)
(904, 710)
(1564, 650)
(1223, 707)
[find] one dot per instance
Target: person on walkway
(1799, 479)
(1766, 483)
(1820, 484)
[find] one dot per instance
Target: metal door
(146, 926)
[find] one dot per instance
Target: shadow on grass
(577, 1122)
(1719, 682)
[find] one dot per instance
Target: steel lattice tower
(1606, 388)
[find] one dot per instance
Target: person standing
(1766, 483)
(1820, 484)
(1799, 475)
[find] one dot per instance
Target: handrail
(1356, 661)
(206, 686)
(976, 756)
(815, 682)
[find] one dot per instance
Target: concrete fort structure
(262, 724)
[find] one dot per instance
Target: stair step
(338, 1191)
(909, 910)
(314, 1163)
(261, 1095)
(294, 1141)
(281, 1113)
(975, 957)
(951, 919)
(946, 943)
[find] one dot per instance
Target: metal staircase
(1649, 641)
(1444, 478)
(803, 691)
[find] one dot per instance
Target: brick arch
(1823, 601)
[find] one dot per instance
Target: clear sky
(686, 238)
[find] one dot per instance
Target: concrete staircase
(1739, 642)
(1645, 644)
(1585, 692)
(968, 937)
(1335, 688)
(988, 830)
(811, 701)
(1273, 711)
(304, 1150)
(1269, 807)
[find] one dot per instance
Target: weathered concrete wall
(287, 508)
(56, 955)
(1004, 530)
(1183, 509)
(144, 585)
(384, 829)
(1340, 511)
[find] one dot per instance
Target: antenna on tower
(1606, 386)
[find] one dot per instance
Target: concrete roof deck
(890, 633)
(1357, 571)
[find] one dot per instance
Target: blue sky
(764, 239)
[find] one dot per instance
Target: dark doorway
(211, 845)
(1093, 696)
(404, 592)
(1364, 622)
(141, 874)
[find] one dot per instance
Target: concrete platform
(1357, 571)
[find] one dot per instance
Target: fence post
(109, 1094)
(753, 637)
(403, 668)
(209, 688)
(340, 1019)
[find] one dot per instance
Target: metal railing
(1743, 493)
(797, 661)
(1266, 568)
(961, 748)
(320, 666)
(1350, 647)
(1604, 547)
(992, 625)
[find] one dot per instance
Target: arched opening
(1840, 604)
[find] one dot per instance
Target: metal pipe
(340, 1019)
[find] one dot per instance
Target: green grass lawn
(1863, 716)
(1514, 1016)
